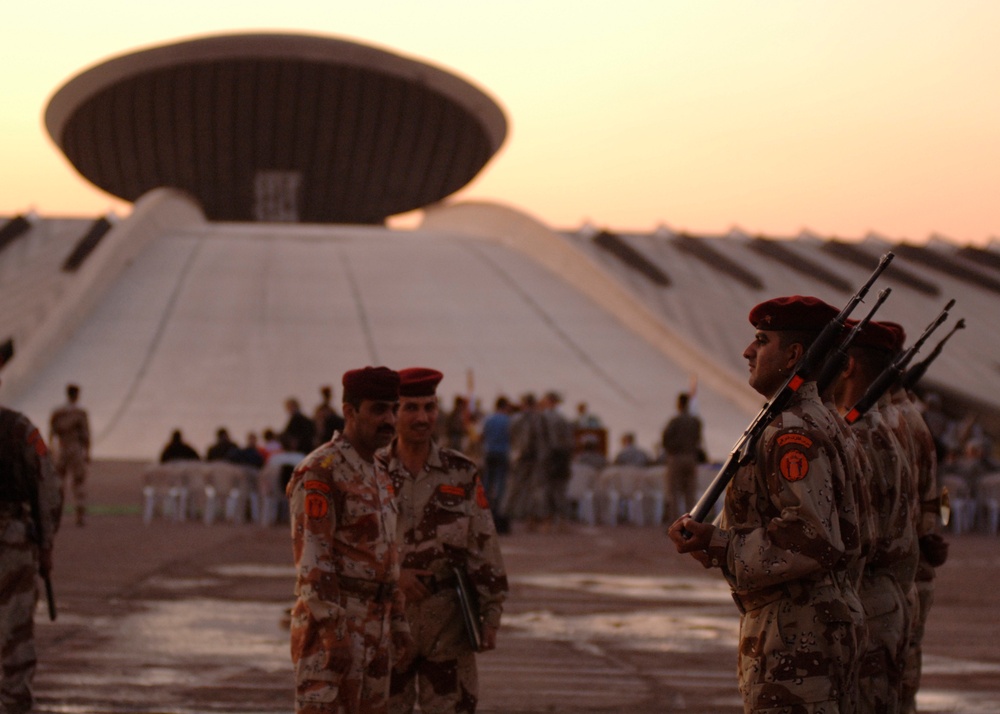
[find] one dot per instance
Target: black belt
(750, 601)
(368, 589)
(436, 584)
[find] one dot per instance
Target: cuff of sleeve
(491, 617)
(718, 547)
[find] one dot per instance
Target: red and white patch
(316, 505)
(794, 465)
(36, 441)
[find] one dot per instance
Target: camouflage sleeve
(313, 521)
(801, 533)
(50, 487)
(485, 563)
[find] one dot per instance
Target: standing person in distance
(444, 523)
(69, 437)
(682, 446)
(26, 473)
(325, 417)
(787, 541)
(349, 606)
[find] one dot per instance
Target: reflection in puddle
(216, 630)
(635, 587)
(671, 630)
(255, 570)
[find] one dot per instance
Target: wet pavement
(183, 618)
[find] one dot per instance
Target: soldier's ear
(794, 353)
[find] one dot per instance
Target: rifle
(821, 346)
(834, 365)
(894, 371)
(915, 373)
(36, 516)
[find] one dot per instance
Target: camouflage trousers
(72, 467)
(443, 676)
(888, 638)
(18, 597)
(342, 665)
(681, 483)
(921, 599)
(797, 654)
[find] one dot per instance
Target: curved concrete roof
(277, 127)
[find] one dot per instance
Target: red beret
(898, 331)
(875, 336)
(379, 384)
(418, 381)
(795, 312)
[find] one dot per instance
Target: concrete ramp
(216, 324)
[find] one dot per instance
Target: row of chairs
(625, 495)
(217, 491)
(971, 511)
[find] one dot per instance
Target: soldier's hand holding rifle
(694, 537)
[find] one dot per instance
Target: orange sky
(841, 118)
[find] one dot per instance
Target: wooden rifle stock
(893, 372)
(814, 356)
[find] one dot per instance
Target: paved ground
(185, 618)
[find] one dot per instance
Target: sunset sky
(838, 117)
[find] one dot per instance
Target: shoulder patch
(794, 464)
(36, 441)
(796, 439)
(314, 485)
(451, 490)
(316, 505)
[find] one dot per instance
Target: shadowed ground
(186, 618)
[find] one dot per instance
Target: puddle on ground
(211, 643)
(666, 589)
(674, 630)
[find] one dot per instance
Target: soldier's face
(371, 426)
(416, 419)
(769, 362)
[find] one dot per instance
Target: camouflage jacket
(343, 520)
(25, 465)
(445, 521)
(790, 515)
(922, 456)
(70, 427)
(892, 489)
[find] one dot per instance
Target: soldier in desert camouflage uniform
(920, 454)
(349, 606)
(444, 522)
(788, 539)
(25, 550)
(892, 564)
(69, 436)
